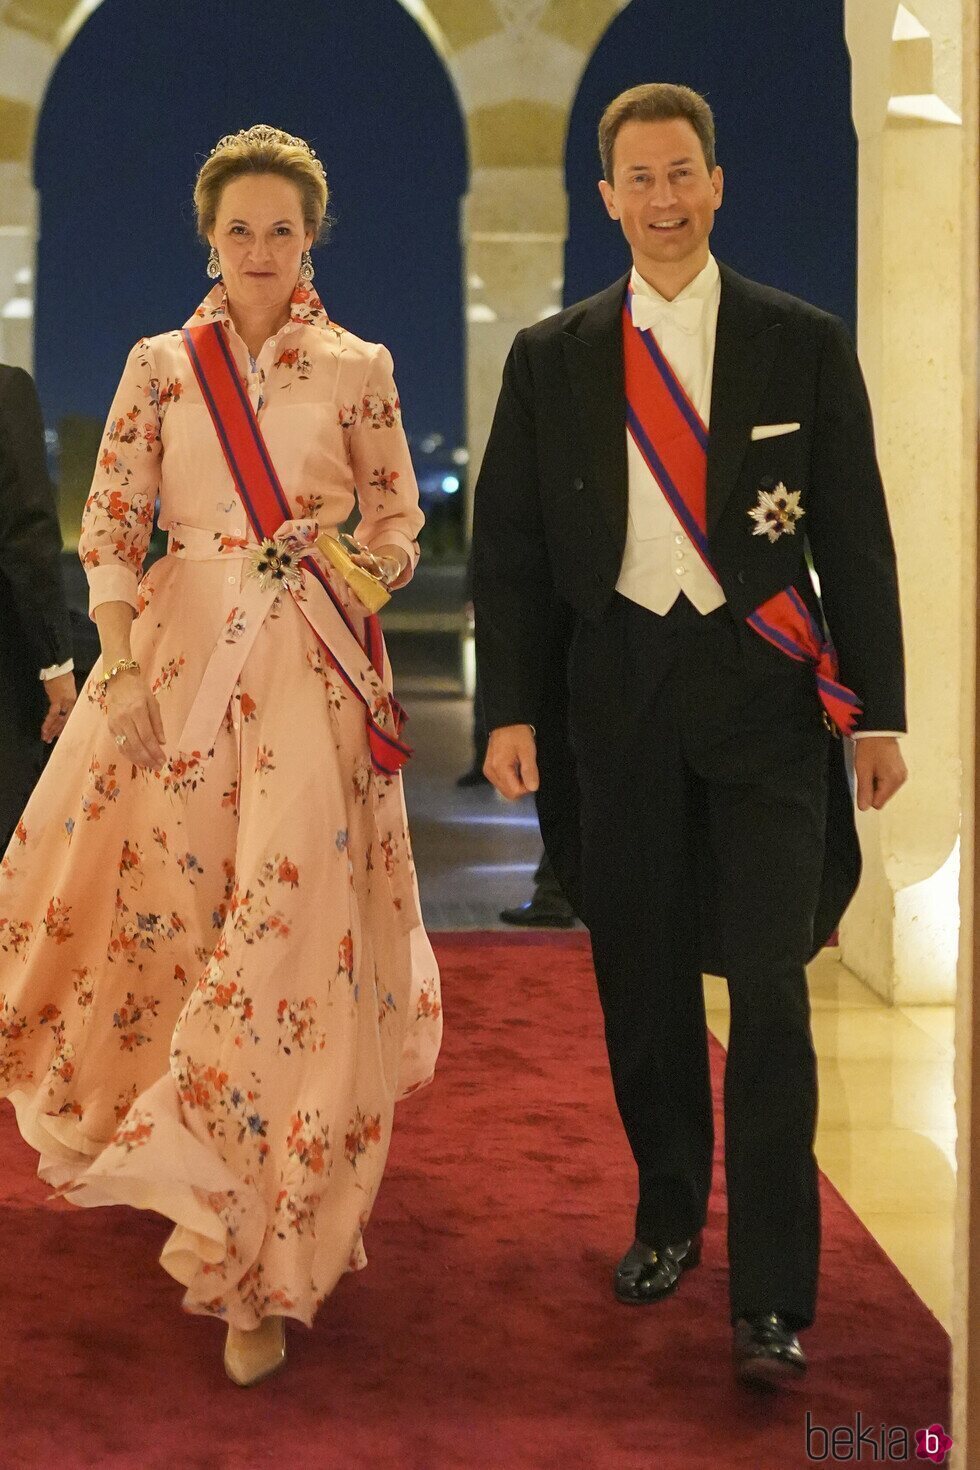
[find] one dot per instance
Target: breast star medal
(777, 512)
(275, 564)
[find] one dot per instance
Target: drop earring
(214, 265)
(306, 269)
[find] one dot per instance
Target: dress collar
(700, 289)
(305, 308)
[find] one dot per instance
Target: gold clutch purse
(367, 587)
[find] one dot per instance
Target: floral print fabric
(214, 982)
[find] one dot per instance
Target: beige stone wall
(966, 1293)
(914, 267)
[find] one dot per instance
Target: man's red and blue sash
(261, 493)
(673, 440)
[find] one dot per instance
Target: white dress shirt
(660, 560)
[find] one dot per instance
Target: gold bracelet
(119, 667)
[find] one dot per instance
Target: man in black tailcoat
(692, 789)
(37, 686)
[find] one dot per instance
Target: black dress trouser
(22, 753)
(702, 759)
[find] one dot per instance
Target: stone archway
(515, 65)
(34, 34)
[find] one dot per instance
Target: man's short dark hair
(656, 102)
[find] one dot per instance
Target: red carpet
(483, 1333)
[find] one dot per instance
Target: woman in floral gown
(214, 981)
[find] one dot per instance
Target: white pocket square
(769, 431)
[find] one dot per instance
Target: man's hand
(61, 701)
(880, 770)
(511, 764)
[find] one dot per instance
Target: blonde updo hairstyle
(262, 150)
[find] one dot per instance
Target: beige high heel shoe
(252, 1356)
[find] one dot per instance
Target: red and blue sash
(673, 440)
(267, 508)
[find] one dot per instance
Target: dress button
(679, 552)
(231, 580)
(679, 539)
(679, 571)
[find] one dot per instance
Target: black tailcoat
(551, 519)
(34, 627)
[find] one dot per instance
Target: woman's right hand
(133, 712)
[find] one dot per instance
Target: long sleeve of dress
(118, 516)
(387, 491)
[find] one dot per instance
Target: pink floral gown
(214, 980)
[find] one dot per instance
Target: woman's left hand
(391, 561)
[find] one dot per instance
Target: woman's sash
(360, 663)
(673, 440)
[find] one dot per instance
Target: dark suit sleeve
(851, 539)
(30, 536)
(513, 595)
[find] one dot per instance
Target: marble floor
(886, 1137)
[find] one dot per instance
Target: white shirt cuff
(890, 734)
(56, 670)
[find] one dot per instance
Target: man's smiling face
(662, 194)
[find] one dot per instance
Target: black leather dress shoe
(537, 915)
(648, 1273)
(765, 1352)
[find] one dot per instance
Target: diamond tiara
(263, 133)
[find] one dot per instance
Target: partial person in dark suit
(657, 666)
(37, 685)
(547, 908)
(473, 775)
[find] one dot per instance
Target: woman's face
(260, 237)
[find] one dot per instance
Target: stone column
(18, 237)
(900, 935)
(516, 65)
(514, 225)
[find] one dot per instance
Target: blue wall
(140, 98)
(778, 79)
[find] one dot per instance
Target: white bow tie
(649, 314)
